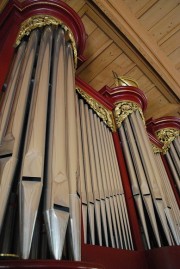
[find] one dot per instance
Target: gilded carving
(40, 21)
(166, 136)
(105, 114)
(124, 109)
(156, 149)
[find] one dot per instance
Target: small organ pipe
(89, 190)
(93, 176)
(107, 203)
(99, 178)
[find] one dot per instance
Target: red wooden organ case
(111, 201)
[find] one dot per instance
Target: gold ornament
(105, 114)
(39, 21)
(166, 136)
(156, 149)
(124, 109)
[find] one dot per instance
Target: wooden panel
(89, 25)
(102, 61)
(157, 12)
(95, 41)
(140, 6)
(167, 24)
(75, 4)
(170, 44)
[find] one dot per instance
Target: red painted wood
(136, 234)
(125, 93)
(46, 264)
(112, 258)
(154, 125)
(155, 141)
(95, 257)
(165, 258)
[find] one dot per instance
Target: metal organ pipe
(56, 209)
(89, 190)
(122, 209)
(73, 165)
(134, 184)
(34, 149)
(151, 171)
(141, 176)
(11, 90)
(82, 174)
(99, 179)
(12, 138)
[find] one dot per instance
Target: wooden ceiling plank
(173, 34)
(145, 8)
(89, 25)
(139, 5)
(130, 27)
(162, 111)
(167, 24)
(174, 56)
(102, 60)
(75, 4)
(95, 41)
(157, 12)
(94, 56)
(106, 76)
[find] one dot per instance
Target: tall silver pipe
(152, 172)
(88, 176)
(117, 192)
(118, 182)
(73, 162)
(134, 184)
(175, 158)
(32, 170)
(56, 210)
(173, 170)
(142, 180)
(119, 200)
(99, 178)
(173, 214)
(107, 184)
(93, 176)
(7, 105)
(103, 175)
(112, 181)
(11, 142)
(82, 173)
(176, 144)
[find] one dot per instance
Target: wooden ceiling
(136, 38)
